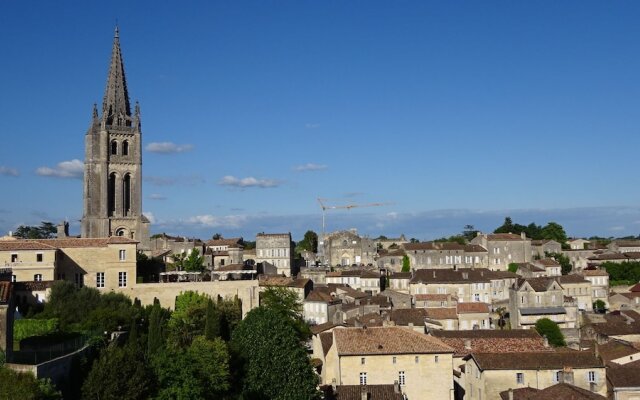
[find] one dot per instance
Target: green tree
(216, 236)
(212, 322)
(551, 331)
(46, 230)
(565, 263)
(286, 302)
(188, 319)
(406, 263)
(199, 372)
(119, 373)
(308, 243)
(414, 240)
(599, 306)
(513, 267)
(506, 227)
(554, 231)
(25, 386)
(194, 262)
(269, 350)
(469, 232)
(155, 337)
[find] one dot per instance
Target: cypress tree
(155, 339)
(212, 324)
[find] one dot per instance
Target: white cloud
(156, 196)
(150, 216)
(65, 169)
(309, 167)
(616, 228)
(213, 221)
(312, 126)
(190, 180)
(168, 147)
(8, 171)
(248, 182)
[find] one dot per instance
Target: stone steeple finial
(115, 105)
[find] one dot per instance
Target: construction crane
(346, 207)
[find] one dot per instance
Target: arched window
(120, 232)
(114, 147)
(126, 195)
(125, 148)
(111, 200)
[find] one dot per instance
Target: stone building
(445, 255)
(277, 250)
(221, 252)
(347, 248)
(504, 249)
(540, 248)
(535, 298)
(113, 163)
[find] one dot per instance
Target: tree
(212, 322)
(46, 230)
(194, 262)
(216, 236)
(551, 331)
(308, 243)
(554, 231)
(16, 385)
(469, 232)
(406, 263)
(502, 312)
(188, 319)
(506, 227)
(599, 306)
(285, 302)
(414, 240)
(565, 263)
(119, 373)
(513, 267)
(269, 350)
(199, 372)
(155, 338)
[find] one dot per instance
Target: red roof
(5, 292)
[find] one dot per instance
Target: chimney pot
(467, 344)
(510, 394)
(396, 387)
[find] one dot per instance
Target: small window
(362, 361)
(14, 258)
(592, 376)
(114, 147)
(79, 280)
(122, 279)
(100, 279)
(417, 359)
(39, 257)
(520, 378)
(123, 255)
(436, 359)
(401, 379)
(394, 360)
(37, 277)
(125, 148)
(13, 278)
(363, 378)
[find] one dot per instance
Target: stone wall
(246, 290)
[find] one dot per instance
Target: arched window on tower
(126, 195)
(111, 195)
(125, 148)
(114, 147)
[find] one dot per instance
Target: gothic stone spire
(115, 106)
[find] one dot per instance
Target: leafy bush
(551, 331)
(24, 328)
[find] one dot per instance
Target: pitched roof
(21, 244)
(386, 340)
(573, 278)
(235, 267)
(562, 391)
(317, 329)
(537, 360)
(540, 284)
(434, 246)
(321, 294)
(326, 340)
(442, 313)
(623, 376)
(490, 333)
(5, 292)
(434, 297)
(492, 341)
(451, 276)
(548, 262)
(470, 308)
(400, 275)
(594, 272)
(37, 244)
(406, 316)
(615, 349)
(503, 236)
(231, 242)
(355, 392)
(617, 324)
(635, 288)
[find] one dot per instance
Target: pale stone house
(391, 260)
(321, 306)
(221, 252)
(345, 248)
(599, 284)
(445, 255)
(489, 374)
(504, 248)
(473, 316)
(579, 288)
(368, 281)
(422, 365)
(625, 246)
(277, 250)
(535, 298)
(578, 244)
(400, 281)
(468, 285)
(540, 248)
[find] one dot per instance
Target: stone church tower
(113, 163)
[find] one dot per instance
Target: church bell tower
(113, 163)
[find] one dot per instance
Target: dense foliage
(277, 366)
(406, 264)
(308, 243)
(551, 331)
(24, 328)
(565, 264)
(46, 230)
(625, 273)
(551, 231)
(25, 386)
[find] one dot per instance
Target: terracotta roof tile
(5, 292)
(442, 313)
(537, 360)
(451, 276)
(492, 341)
(386, 340)
(434, 297)
(594, 272)
(562, 391)
(406, 316)
(355, 392)
(469, 308)
(495, 237)
(623, 376)
(326, 339)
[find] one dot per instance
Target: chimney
(364, 394)
(63, 230)
(593, 387)
(510, 394)
(333, 385)
(545, 341)
(467, 344)
(523, 235)
(396, 387)
(434, 273)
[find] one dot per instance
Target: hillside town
(122, 310)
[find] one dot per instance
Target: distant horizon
(453, 114)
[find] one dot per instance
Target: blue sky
(454, 112)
